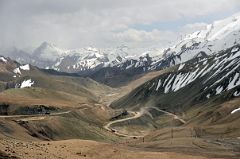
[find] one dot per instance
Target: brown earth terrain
(42, 122)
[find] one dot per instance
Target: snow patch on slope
(236, 94)
(234, 82)
(27, 83)
(25, 67)
(181, 67)
(221, 70)
(17, 70)
(235, 110)
(3, 59)
(219, 90)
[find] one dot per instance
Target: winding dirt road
(108, 125)
(171, 114)
(138, 115)
(33, 117)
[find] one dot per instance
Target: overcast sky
(106, 23)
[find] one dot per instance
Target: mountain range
(219, 35)
(183, 99)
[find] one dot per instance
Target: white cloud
(190, 28)
(195, 26)
(102, 23)
(140, 38)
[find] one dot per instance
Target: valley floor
(76, 149)
(160, 144)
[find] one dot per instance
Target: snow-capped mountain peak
(219, 35)
(217, 30)
(48, 51)
(220, 29)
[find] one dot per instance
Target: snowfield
(27, 83)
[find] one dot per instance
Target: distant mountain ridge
(49, 56)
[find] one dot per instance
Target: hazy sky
(105, 23)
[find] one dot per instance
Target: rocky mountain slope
(27, 85)
(40, 105)
(205, 77)
(202, 92)
(195, 103)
